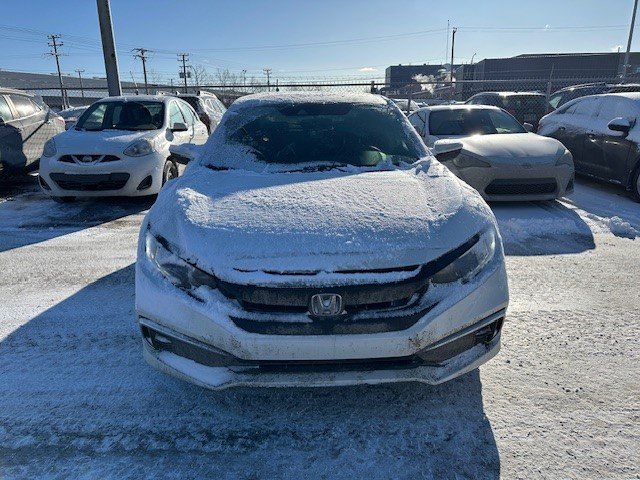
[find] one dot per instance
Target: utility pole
(625, 67)
(109, 48)
(54, 53)
(183, 57)
(142, 55)
(80, 78)
(267, 72)
(244, 79)
(453, 44)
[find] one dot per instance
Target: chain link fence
(409, 96)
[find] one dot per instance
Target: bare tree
(226, 78)
(200, 76)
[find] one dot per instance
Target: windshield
(114, 115)
(472, 121)
(343, 133)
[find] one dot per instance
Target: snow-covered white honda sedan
(314, 241)
(119, 146)
(497, 156)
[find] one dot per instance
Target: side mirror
(528, 127)
(446, 149)
(620, 124)
(179, 127)
(184, 153)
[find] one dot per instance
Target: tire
(170, 171)
(635, 184)
(64, 199)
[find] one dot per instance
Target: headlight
(179, 272)
(565, 159)
(139, 148)
(470, 263)
(465, 160)
(50, 149)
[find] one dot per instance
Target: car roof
(138, 98)
(279, 98)
(509, 94)
(6, 90)
(435, 108)
(635, 96)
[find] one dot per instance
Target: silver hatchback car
(26, 124)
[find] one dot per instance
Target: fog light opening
(43, 184)
(489, 332)
(146, 183)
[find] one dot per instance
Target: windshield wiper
(320, 168)
(216, 168)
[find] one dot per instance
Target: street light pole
(453, 44)
(109, 48)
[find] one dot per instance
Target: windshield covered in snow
(338, 133)
(472, 121)
(114, 115)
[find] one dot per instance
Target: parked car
(207, 106)
(403, 104)
(71, 115)
(601, 132)
(26, 124)
(314, 241)
(119, 146)
(526, 107)
(562, 96)
(497, 155)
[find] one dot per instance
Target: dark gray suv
(25, 126)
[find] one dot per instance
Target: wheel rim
(172, 172)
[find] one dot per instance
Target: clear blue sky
(253, 34)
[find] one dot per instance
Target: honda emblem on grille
(325, 304)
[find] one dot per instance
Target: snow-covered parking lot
(561, 400)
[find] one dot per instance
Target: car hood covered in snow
(521, 146)
(238, 224)
(83, 141)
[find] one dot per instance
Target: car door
(176, 116)
(199, 133)
(37, 128)
(12, 157)
(608, 150)
(572, 122)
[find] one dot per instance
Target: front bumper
(514, 183)
(318, 360)
(103, 179)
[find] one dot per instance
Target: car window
(586, 107)
(175, 115)
(556, 100)
(472, 121)
(417, 123)
(298, 133)
(121, 115)
(188, 114)
(613, 107)
(220, 105)
(24, 106)
(193, 101)
(5, 111)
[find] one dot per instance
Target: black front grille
(522, 186)
(82, 158)
(355, 297)
(90, 182)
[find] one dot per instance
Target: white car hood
(505, 148)
(232, 221)
(105, 141)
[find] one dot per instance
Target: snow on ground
(560, 401)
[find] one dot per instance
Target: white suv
(119, 146)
